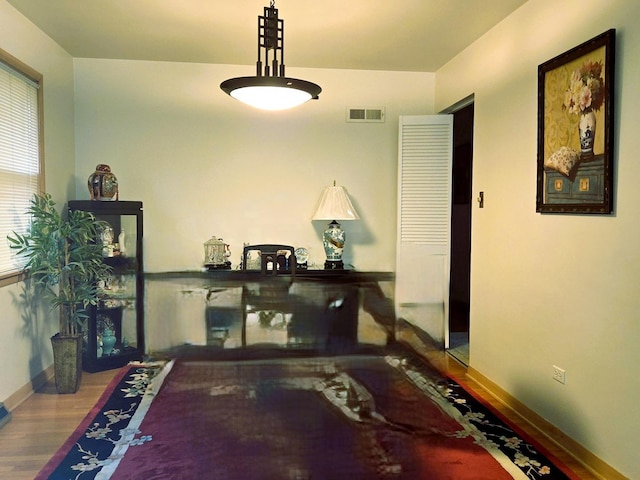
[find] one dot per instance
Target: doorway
(460, 280)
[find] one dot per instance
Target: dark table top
(244, 276)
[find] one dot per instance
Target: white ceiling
(403, 35)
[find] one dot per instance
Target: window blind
(19, 158)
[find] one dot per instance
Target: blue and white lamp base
(333, 240)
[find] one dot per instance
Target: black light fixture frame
(271, 73)
(270, 37)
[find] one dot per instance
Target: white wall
(205, 164)
(554, 289)
(25, 349)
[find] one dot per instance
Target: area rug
(344, 417)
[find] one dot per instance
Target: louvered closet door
(424, 222)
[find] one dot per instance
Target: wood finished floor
(40, 425)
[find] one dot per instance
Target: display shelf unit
(114, 331)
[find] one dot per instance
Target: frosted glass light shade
(271, 93)
(271, 98)
(334, 204)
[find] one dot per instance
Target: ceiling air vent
(365, 114)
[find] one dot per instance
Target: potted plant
(64, 261)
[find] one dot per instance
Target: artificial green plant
(64, 259)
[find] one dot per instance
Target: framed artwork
(575, 129)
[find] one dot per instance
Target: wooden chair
(273, 258)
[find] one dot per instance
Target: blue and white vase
(587, 131)
(333, 240)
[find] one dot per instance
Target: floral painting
(575, 96)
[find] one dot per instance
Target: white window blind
(19, 158)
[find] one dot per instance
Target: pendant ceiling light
(271, 89)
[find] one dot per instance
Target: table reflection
(233, 310)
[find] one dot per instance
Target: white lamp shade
(334, 204)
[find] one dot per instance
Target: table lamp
(334, 205)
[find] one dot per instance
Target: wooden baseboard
(598, 467)
(28, 389)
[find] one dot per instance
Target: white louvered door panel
(424, 221)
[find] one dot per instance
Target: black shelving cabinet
(114, 331)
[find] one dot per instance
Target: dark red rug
(344, 417)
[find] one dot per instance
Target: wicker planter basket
(67, 362)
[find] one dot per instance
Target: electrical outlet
(559, 374)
